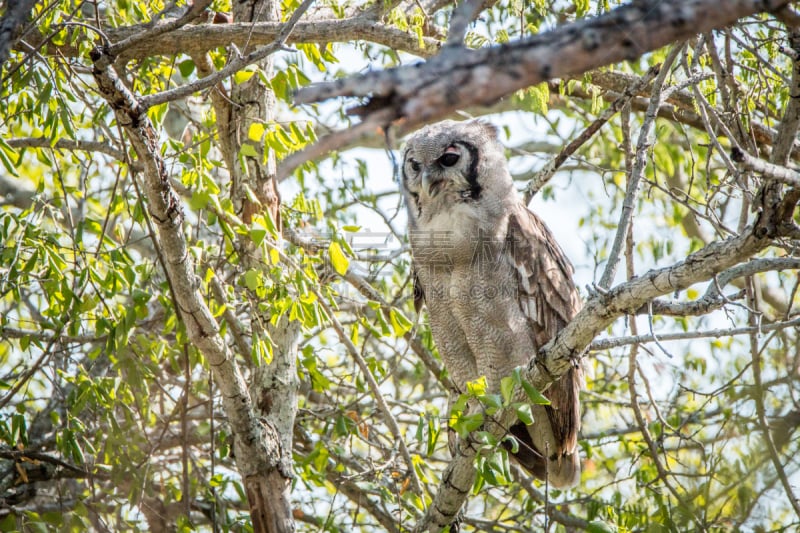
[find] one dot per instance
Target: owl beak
(431, 184)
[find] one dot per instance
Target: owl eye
(415, 166)
(449, 159)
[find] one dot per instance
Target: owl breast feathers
(496, 284)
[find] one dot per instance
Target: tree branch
(767, 170)
(607, 344)
(409, 96)
(201, 38)
(12, 20)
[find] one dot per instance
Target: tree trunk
(273, 387)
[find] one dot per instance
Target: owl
(496, 284)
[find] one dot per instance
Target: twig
(707, 113)
(541, 177)
(235, 64)
(464, 13)
(607, 344)
(195, 10)
(643, 144)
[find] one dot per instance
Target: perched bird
(496, 284)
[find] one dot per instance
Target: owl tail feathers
(562, 471)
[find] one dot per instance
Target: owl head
(451, 163)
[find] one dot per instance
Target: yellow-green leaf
(338, 259)
(256, 131)
(400, 323)
(242, 76)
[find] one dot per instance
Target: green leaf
(507, 389)
(598, 526)
(492, 402)
(468, 423)
(186, 68)
(257, 235)
(534, 394)
(524, 414)
(248, 150)
(252, 279)
(5, 160)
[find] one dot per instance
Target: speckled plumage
(496, 284)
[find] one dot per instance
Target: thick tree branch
(409, 96)
(201, 38)
(463, 14)
(194, 11)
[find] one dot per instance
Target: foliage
(110, 418)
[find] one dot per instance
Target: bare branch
(607, 344)
(643, 144)
(543, 176)
(768, 170)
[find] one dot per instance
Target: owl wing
(419, 293)
(549, 299)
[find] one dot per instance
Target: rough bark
(16, 14)
(273, 386)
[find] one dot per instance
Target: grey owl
(496, 284)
